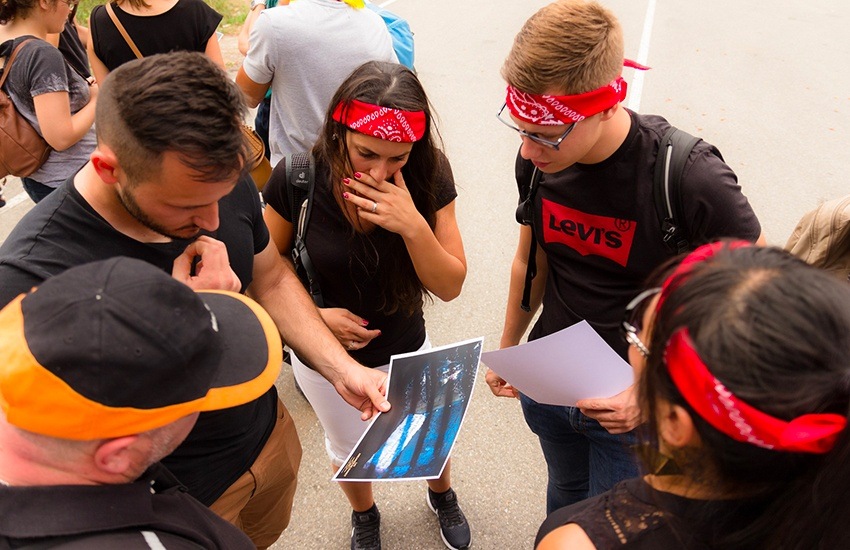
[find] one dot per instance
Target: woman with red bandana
(382, 236)
(742, 361)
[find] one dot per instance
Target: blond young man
(592, 222)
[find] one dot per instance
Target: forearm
(242, 40)
(516, 319)
(301, 325)
(441, 272)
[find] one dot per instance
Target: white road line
(16, 200)
(636, 86)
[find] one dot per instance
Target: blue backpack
(400, 32)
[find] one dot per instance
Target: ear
(105, 163)
(608, 113)
(115, 456)
(675, 426)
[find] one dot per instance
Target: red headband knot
(717, 405)
(381, 122)
(554, 110)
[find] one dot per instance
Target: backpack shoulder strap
(524, 215)
(8, 65)
(673, 152)
(300, 186)
(300, 181)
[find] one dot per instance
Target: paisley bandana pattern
(556, 110)
(717, 405)
(381, 122)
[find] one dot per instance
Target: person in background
(382, 236)
(303, 52)
(47, 91)
(742, 360)
(155, 26)
(84, 423)
(261, 120)
(72, 42)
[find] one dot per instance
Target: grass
(234, 12)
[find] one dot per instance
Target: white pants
(341, 422)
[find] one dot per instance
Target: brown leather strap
(122, 30)
(8, 65)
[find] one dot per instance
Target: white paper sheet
(562, 368)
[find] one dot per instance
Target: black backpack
(300, 185)
(673, 152)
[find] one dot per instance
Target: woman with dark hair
(382, 236)
(47, 91)
(744, 375)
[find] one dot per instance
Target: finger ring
(351, 345)
(374, 207)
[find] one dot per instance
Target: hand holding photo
(430, 392)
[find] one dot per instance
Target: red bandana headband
(381, 122)
(554, 110)
(809, 433)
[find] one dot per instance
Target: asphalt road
(763, 83)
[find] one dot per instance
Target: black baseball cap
(119, 347)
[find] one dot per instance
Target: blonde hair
(567, 47)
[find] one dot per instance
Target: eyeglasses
(72, 3)
(536, 139)
(633, 319)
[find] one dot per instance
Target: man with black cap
(105, 369)
(166, 184)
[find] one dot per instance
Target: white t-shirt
(306, 50)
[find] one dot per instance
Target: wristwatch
(255, 3)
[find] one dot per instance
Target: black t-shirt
(634, 515)
(346, 263)
(598, 226)
(153, 509)
(185, 27)
(73, 50)
(64, 231)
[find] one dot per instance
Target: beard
(128, 201)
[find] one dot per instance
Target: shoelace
(450, 510)
(367, 533)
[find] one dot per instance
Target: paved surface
(763, 85)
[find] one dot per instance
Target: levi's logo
(588, 234)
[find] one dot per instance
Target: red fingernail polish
(345, 195)
(365, 322)
(357, 175)
(346, 181)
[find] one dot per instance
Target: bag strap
(673, 153)
(10, 59)
(122, 30)
(300, 185)
(524, 215)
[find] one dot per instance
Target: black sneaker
(454, 529)
(366, 529)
